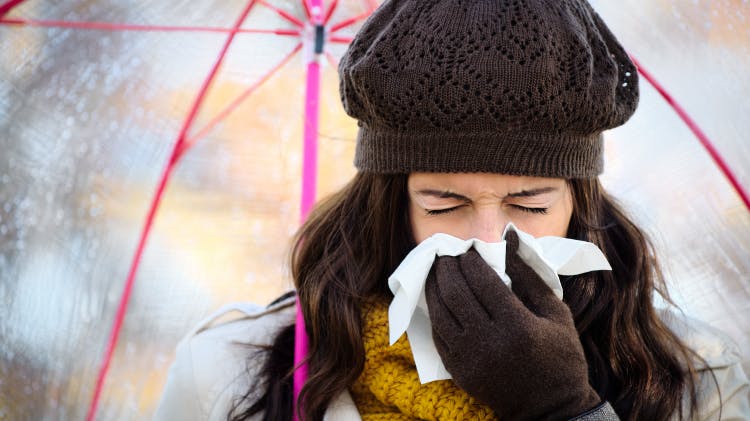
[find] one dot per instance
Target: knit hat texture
(522, 87)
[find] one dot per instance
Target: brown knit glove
(518, 353)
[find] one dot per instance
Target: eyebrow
(533, 192)
(444, 194)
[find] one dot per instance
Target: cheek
(421, 227)
(416, 226)
(557, 222)
(421, 231)
(554, 224)
(567, 214)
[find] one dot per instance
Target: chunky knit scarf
(389, 389)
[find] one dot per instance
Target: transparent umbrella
(698, 52)
(125, 89)
(89, 117)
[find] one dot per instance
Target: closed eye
(441, 211)
(542, 211)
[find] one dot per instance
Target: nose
(489, 225)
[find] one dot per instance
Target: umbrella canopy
(121, 95)
(88, 119)
(699, 52)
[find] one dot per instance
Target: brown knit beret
(521, 87)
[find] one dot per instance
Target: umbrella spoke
(239, 100)
(174, 158)
(306, 6)
(348, 22)
(331, 9)
(372, 4)
(283, 14)
(341, 40)
(698, 132)
(332, 60)
(108, 26)
(5, 7)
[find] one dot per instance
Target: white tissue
(548, 256)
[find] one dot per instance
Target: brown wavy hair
(354, 240)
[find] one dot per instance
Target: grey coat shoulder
(216, 362)
(715, 347)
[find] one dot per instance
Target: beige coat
(211, 368)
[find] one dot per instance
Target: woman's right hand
(517, 351)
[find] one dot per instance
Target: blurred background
(88, 119)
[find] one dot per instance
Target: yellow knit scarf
(388, 388)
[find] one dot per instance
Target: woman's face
(480, 205)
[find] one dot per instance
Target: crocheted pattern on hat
(547, 74)
(389, 389)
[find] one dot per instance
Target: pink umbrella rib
(306, 7)
(351, 21)
(698, 132)
(283, 14)
(8, 5)
(108, 26)
(331, 9)
(239, 100)
(125, 298)
(332, 60)
(341, 40)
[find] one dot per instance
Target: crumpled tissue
(548, 256)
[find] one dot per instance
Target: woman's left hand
(517, 351)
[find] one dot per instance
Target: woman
(472, 115)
